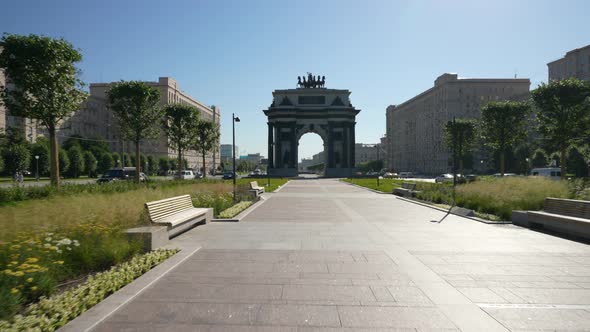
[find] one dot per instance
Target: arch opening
(311, 154)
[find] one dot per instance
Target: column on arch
(270, 145)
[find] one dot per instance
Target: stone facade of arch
(326, 112)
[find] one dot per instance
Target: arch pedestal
(326, 112)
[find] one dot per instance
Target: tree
(64, 161)
(563, 113)
(522, 154)
(125, 160)
(116, 159)
(76, 161)
(206, 140)
(163, 165)
(539, 158)
(46, 85)
(576, 161)
(41, 149)
(152, 165)
(16, 158)
(90, 163)
(180, 124)
(459, 136)
(1, 163)
(105, 162)
(135, 105)
(503, 124)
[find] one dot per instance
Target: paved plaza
(322, 255)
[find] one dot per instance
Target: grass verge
(275, 183)
(384, 185)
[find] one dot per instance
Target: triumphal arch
(311, 108)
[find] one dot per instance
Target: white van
(185, 175)
(550, 172)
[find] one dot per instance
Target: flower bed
(235, 210)
(54, 312)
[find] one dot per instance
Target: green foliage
(105, 162)
(459, 136)
(181, 123)
(64, 161)
(563, 113)
(45, 79)
(1, 163)
(577, 161)
(90, 163)
(116, 159)
(235, 210)
(539, 159)
(41, 149)
(152, 165)
(135, 105)
(76, 161)
(374, 165)
(125, 160)
(503, 124)
(521, 154)
(245, 166)
(54, 312)
(17, 158)
(206, 140)
(163, 164)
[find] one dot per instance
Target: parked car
(444, 178)
(505, 174)
(372, 173)
(118, 174)
(185, 175)
(228, 175)
(389, 175)
(550, 172)
(405, 175)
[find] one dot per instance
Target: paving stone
(298, 315)
(404, 317)
(327, 292)
(542, 319)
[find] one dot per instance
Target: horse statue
(299, 84)
(323, 82)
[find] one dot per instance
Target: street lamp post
(37, 171)
(268, 165)
(234, 119)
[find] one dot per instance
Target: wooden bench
(568, 216)
(177, 213)
(408, 189)
(255, 189)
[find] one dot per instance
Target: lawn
(275, 183)
(385, 185)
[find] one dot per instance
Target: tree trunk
(137, 162)
(204, 168)
(179, 166)
(502, 168)
(53, 156)
(562, 162)
(461, 167)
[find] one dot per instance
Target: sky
(233, 54)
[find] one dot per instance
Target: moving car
(405, 175)
(444, 178)
(389, 175)
(118, 174)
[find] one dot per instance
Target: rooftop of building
(569, 53)
(454, 78)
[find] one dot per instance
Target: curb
(483, 221)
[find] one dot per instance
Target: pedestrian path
(322, 255)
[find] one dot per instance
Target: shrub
(235, 210)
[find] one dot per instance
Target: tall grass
(498, 196)
(118, 209)
(384, 185)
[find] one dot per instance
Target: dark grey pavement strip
(321, 255)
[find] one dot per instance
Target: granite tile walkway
(322, 255)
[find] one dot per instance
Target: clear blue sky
(235, 53)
